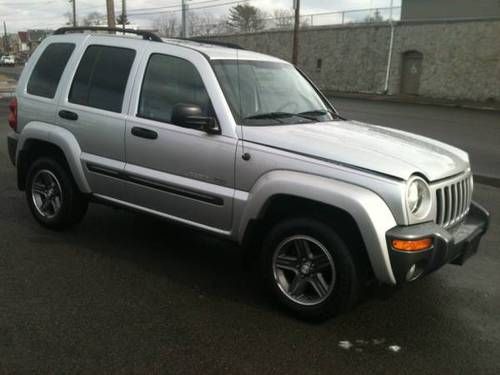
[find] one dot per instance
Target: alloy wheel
(46, 193)
(304, 270)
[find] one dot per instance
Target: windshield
(269, 93)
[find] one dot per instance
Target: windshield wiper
(320, 112)
(277, 116)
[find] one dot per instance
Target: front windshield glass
(269, 93)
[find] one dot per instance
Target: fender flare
(368, 210)
(61, 138)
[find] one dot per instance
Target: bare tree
(168, 25)
(94, 19)
(375, 17)
(221, 26)
(122, 19)
(283, 18)
(203, 24)
(246, 18)
(69, 18)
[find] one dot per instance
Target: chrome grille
(453, 201)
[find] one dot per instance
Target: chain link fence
(336, 18)
(286, 21)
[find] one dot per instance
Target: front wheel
(52, 195)
(308, 269)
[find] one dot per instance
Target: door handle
(144, 133)
(68, 115)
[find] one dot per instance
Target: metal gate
(412, 70)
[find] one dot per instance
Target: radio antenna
(244, 155)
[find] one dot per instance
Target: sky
(50, 14)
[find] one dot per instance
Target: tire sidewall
(345, 291)
(67, 192)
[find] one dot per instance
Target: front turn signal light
(412, 245)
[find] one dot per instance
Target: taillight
(13, 114)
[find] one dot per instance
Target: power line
(173, 6)
(190, 8)
(29, 3)
(133, 12)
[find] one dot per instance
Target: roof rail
(214, 42)
(146, 35)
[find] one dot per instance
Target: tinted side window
(49, 69)
(101, 77)
(169, 81)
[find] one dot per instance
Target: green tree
(246, 18)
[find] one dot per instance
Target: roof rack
(214, 42)
(146, 35)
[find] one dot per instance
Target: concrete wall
(461, 60)
(445, 9)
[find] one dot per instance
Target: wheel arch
(279, 192)
(40, 139)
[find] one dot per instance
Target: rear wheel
(52, 195)
(308, 269)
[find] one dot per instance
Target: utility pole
(6, 38)
(184, 26)
(110, 7)
(295, 52)
(389, 54)
(124, 14)
(74, 12)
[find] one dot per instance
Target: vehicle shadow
(209, 265)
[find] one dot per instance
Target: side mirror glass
(191, 116)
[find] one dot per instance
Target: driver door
(177, 171)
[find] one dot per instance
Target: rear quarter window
(48, 69)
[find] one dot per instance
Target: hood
(375, 148)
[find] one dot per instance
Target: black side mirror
(191, 116)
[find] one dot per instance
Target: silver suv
(244, 146)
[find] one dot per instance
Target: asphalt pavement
(127, 293)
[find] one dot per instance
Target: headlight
(418, 197)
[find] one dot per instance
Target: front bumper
(12, 147)
(454, 245)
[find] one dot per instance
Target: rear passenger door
(94, 108)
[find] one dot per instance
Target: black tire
(346, 289)
(74, 204)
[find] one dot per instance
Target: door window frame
(142, 87)
(91, 77)
(201, 63)
(103, 42)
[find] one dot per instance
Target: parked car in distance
(8, 60)
(244, 146)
